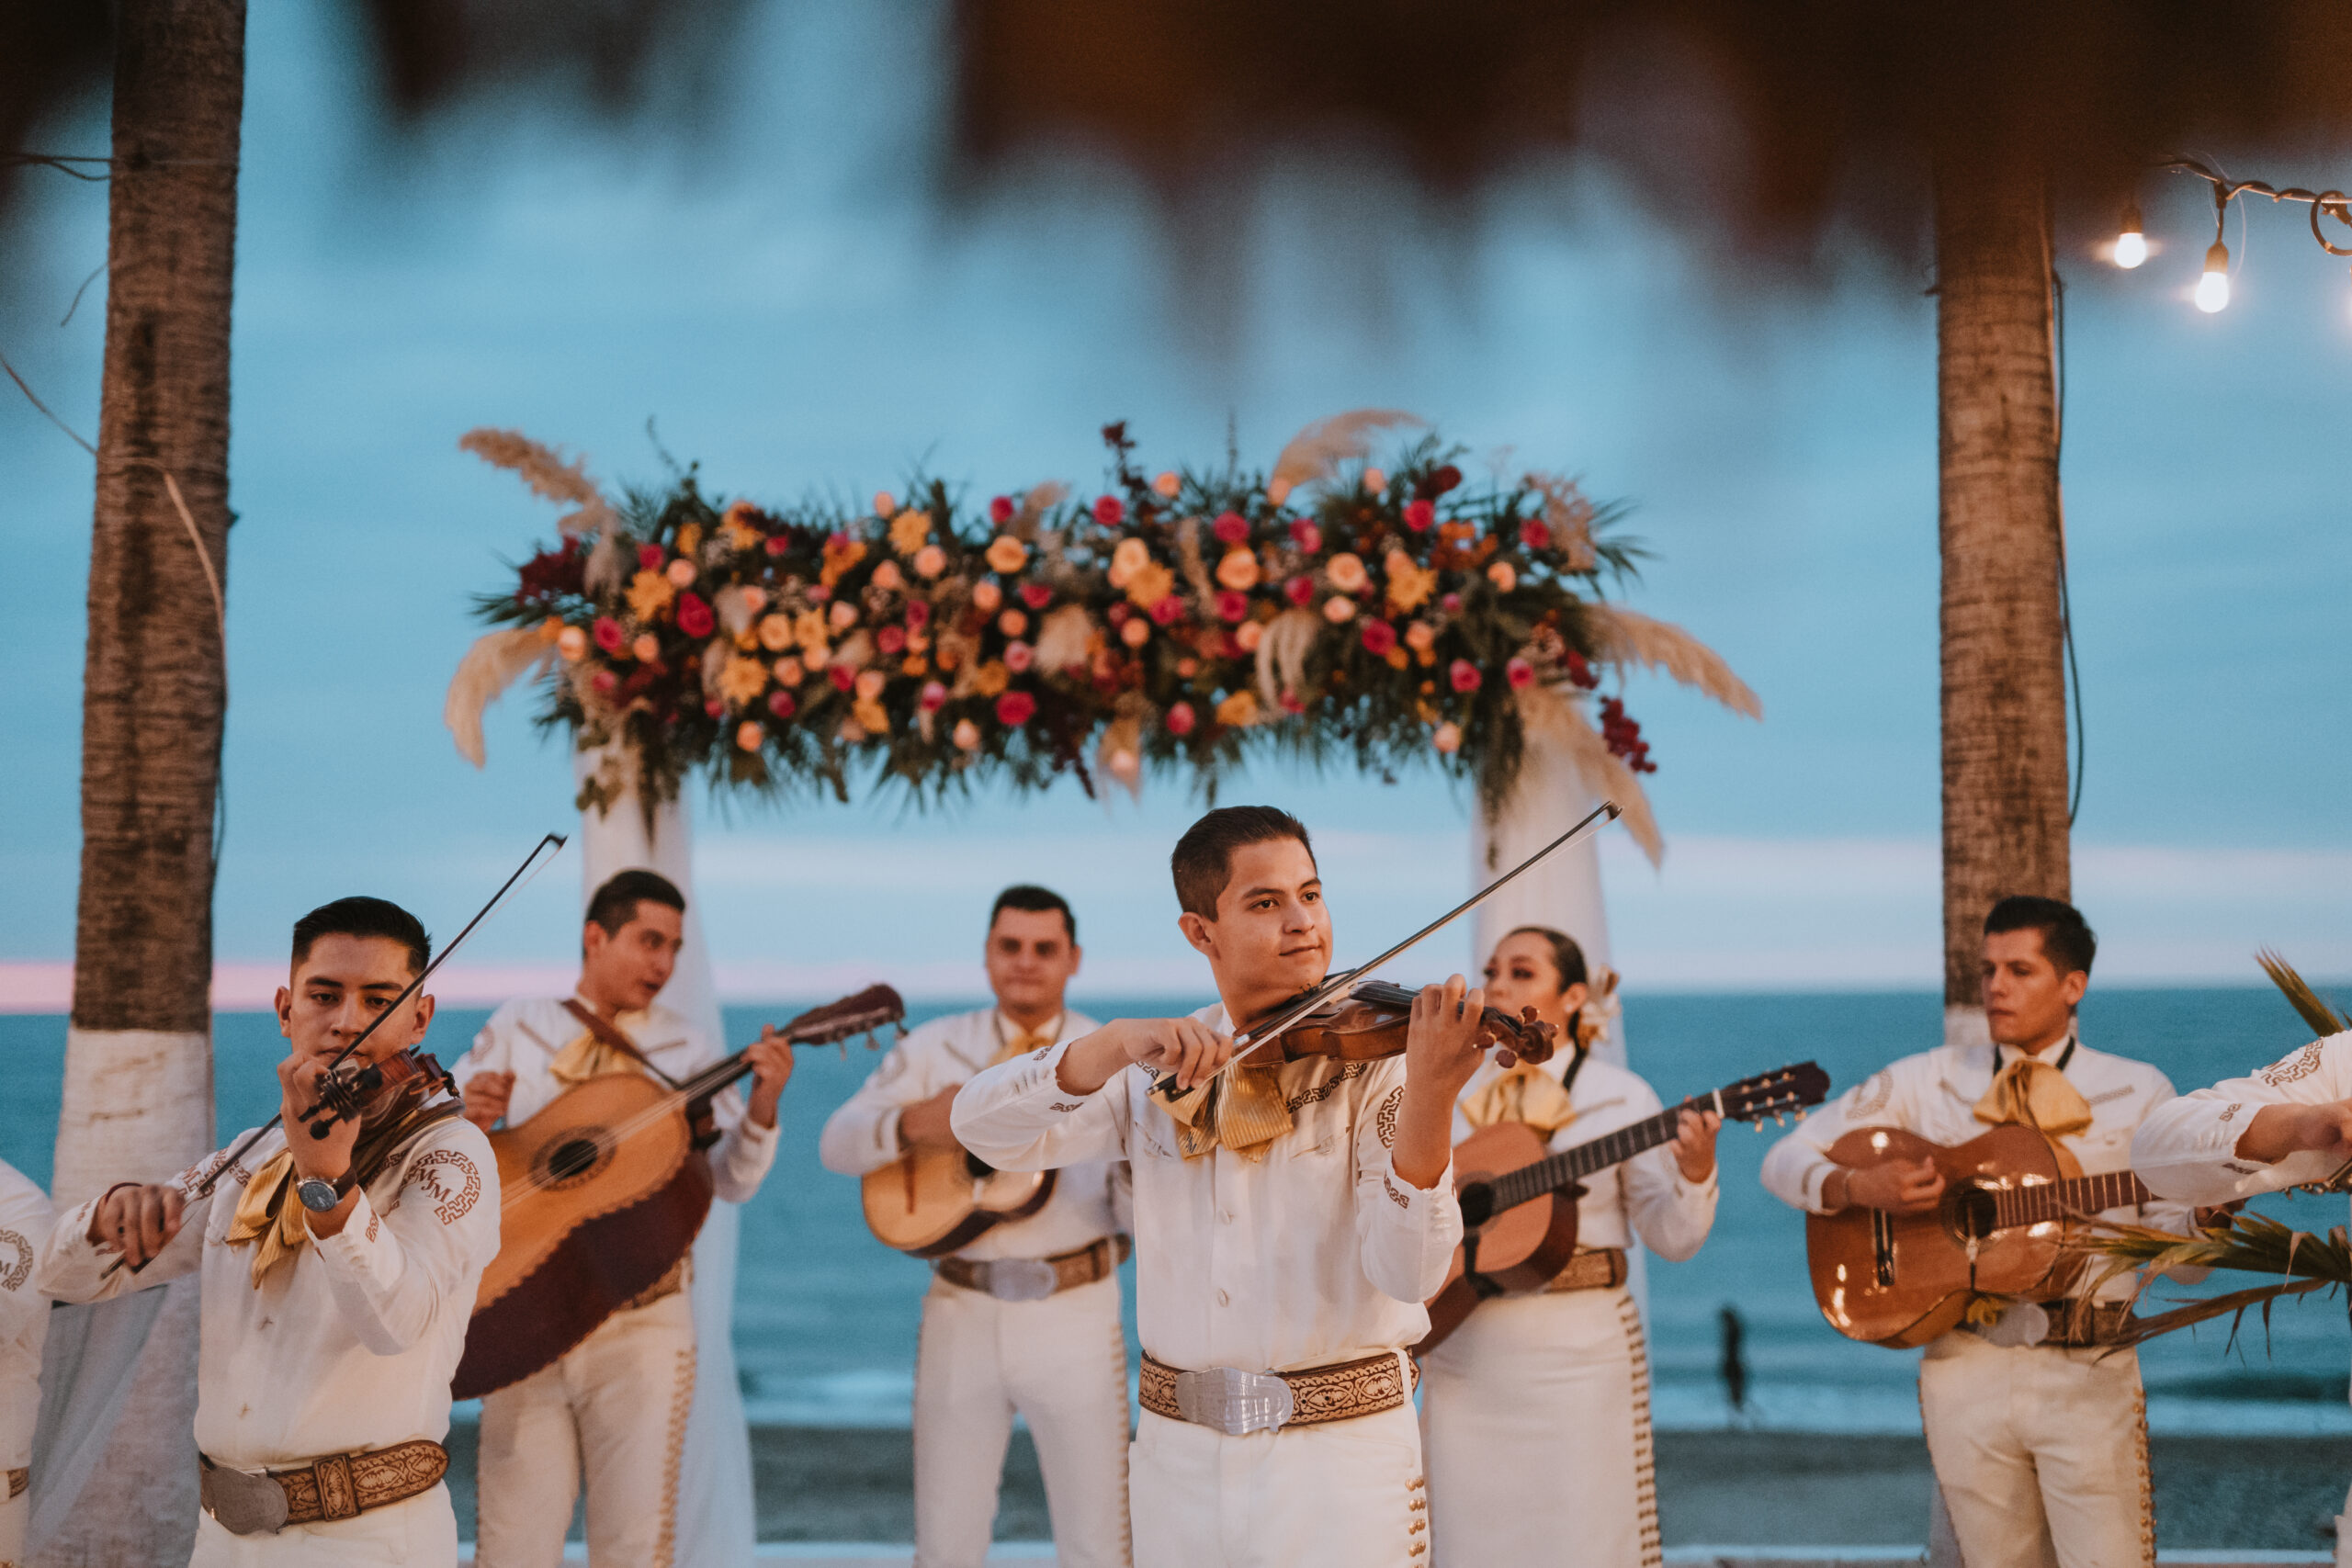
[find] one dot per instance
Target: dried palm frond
(1628, 636)
(1322, 446)
(495, 662)
(1040, 499)
(1120, 753)
(1550, 715)
(542, 469)
(608, 566)
(2253, 1244)
(1196, 570)
(1282, 653)
(1065, 641)
(2300, 995)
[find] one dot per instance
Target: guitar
(931, 1202)
(1520, 1204)
(602, 1193)
(2000, 1228)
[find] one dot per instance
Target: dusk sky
(782, 293)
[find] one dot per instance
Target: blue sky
(779, 291)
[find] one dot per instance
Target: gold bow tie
(2036, 1094)
(265, 1214)
(588, 1057)
(1522, 1093)
(1020, 1043)
(1242, 1109)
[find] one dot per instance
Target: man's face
(2026, 1000)
(338, 989)
(1272, 936)
(627, 968)
(1030, 960)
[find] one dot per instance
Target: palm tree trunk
(138, 1099)
(2005, 828)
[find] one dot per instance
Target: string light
(2212, 291)
(2131, 245)
(2214, 288)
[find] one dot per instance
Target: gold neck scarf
(1019, 1041)
(1521, 1093)
(2036, 1094)
(587, 1057)
(1242, 1108)
(269, 1213)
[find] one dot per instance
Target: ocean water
(825, 1316)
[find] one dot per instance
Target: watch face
(318, 1196)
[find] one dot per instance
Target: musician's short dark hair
(363, 917)
(2067, 940)
(1567, 958)
(1203, 858)
(1030, 897)
(615, 902)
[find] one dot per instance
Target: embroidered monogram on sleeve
(22, 1269)
(2229, 1110)
(1385, 1121)
(1874, 1093)
(2302, 1065)
(201, 1170)
(1058, 1105)
(453, 1193)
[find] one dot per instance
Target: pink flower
(1015, 709)
(648, 557)
(603, 681)
(1109, 509)
(918, 614)
(1167, 611)
(818, 592)
(1002, 511)
(1230, 528)
(783, 705)
(608, 634)
(1118, 614)
(1447, 737)
(1419, 514)
(1037, 595)
(843, 677)
(1535, 534)
(1519, 672)
(1306, 535)
(1233, 607)
(1018, 656)
(695, 618)
(1181, 720)
(1291, 703)
(1379, 637)
(714, 708)
(934, 696)
(1450, 604)
(1465, 675)
(1299, 590)
(777, 543)
(891, 639)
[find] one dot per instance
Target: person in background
(1026, 1318)
(2036, 1426)
(26, 1220)
(1536, 1412)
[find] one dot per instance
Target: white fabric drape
(716, 1522)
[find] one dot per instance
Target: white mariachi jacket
(2187, 1150)
(1319, 1253)
(352, 1346)
(26, 1220)
(1090, 1198)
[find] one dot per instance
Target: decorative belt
(2074, 1324)
(18, 1479)
(1035, 1279)
(340, 1486)
(1591, 1269)
(1236, 1402)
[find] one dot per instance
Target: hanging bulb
(2131, 245)
(2214, 288)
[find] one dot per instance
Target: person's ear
(1077, 955)
(2072, 987)
(1200, 933)
(423, 1015)
(591, 938)
(1575, 996)
(284, 1007)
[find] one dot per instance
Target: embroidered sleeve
(396, 1271)
(1405, 1234)
(2185, 1149)
(1017, 1116)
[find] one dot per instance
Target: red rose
(1002, 510)
(777, 543)
(1167, 611)
(841, 677)
(837, 538)
(714, 708)
(1180, 719)
(782, 704)
(1299, 590)
(1118, 614)
(934, 696)
(1444, 480)
(1419, 514)
(1535, 534)
(1230, 528)
(1450, 604)
(695, 618)
(891, 639)
(818, 592)
(1015, 709)
(1037, 595)
(1109, 509)
(605, 681)
(1232, 606)
(1519, 672)
(608, 634)
(1379, 637)
(1580, 672)
(1306, 535)
(649, 557)
(1465, 676)
(918, 614)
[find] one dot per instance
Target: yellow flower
(1398, 657)
(775, 633)
(650, 594)
(1149, 585)
(1007, 555)
(737, 524)
(1502, 576)
(840, 555)
(1238, 710)
(1238, 569)
(808, 630)
(741, 680)
(1346, 571)
(909, 529)
(870, 716)
(1410, 587)
(915, 664)
(1132, 556)
(689, 536)
(990, 678)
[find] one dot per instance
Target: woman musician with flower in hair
(1536, 1411)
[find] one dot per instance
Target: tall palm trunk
(138, 1100)
(2004, 689)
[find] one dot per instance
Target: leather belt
(670, 1284)
(1035, 1279)
(340, 1486)
(2072, 1324)
(1593, 1268)
(1237, 1403)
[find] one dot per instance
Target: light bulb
(2214, 288)
(2131, 245)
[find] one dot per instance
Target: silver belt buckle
(1021, 1279)
(1234, 1402)
(242, 1503)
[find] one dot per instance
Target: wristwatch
(318, 1194)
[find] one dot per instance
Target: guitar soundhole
(572, 1158)
(1975, 1214)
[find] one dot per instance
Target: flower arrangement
(1175, 620)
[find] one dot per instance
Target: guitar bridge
(1883, 1248)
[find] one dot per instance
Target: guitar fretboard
(1550, 1174)
(2063, 1200)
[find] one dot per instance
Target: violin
(1368, 1020)
(346, 1090)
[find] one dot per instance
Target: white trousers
(615, 1408)
(16, 1513)
(1062, 1363)
(422, 1531)
(1341, 1494)
(1535, 1419)
(2042, 1454)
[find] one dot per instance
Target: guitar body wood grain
(935, 1201)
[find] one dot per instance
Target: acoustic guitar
(931, 1202)
(1519, 1204)
(602, 1193)
(2000, 1229)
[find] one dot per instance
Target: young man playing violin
(2035, 1424)
(1026, 1316)
(337, 1274)
(615, 1404)
(1291, 1217)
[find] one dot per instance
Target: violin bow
(1599, 817)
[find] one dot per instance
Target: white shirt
(1934, 1094)
(523, 1038)
(26, 1220)
(1319, 1253)
(354, 1345)
(2187, 1150)
(1645, 1195)
(1090, 1198)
